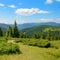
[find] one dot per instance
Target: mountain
(4, 26)
(28, 25)
(51, 24)
(41, 28)
(35, 29)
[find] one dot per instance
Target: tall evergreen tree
(15, 30)
(1, 32)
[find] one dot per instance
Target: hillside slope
(39, 29)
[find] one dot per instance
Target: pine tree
(1, 32)
(15, 30)
(9, 32)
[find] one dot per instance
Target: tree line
(15, 33)
(11, 31)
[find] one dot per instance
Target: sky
(29, 11)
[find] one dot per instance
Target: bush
(9, 48)
(55, 44)
(43, 44)
(2, 39)
(35, 42)
(48, 45)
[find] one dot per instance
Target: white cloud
(58, 0)
(45, 20)
(49, 1)
(7, 21)
(12, 6)
(21, 21)
(57, 20)
(2, 5)
(29, 12)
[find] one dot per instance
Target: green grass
(33, 53)
(55, 44)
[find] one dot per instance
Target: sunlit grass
(34, 53)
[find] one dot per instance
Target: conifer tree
(15, 30)
(9, 32)
(1, 32)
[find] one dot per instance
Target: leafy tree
(1, 32)
(15, 30)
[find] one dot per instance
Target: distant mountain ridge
(39, 29)
(28, 25)
(4, 26)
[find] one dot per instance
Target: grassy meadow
(34, 52)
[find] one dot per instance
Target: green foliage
(55, 44)
(1, 32)
(44, 32)
(40, 42)
(37, 29)
(2, 39)
(24, 35)
(15, 30)
(9, 32)
(43, 43)
(8, 48)
(36, 35)
(12, 31)
(33, 53)
(35, 42)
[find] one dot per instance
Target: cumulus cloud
(49, 1)
(29, 12)
(12, 6)
(2, 5)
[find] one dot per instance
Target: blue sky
(29, 11)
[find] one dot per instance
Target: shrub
(43, 43)
(2, 39)
(55, 44)
(9, 48)
(35, 42)
(48, 45)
